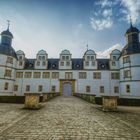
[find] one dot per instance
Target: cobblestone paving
(67, 118)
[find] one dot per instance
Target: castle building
(117, 76)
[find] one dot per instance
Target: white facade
(118, 76)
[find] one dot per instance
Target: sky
(55, 25)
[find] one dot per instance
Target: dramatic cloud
(102, 18)
(132, 8)
(100, 24)
(106, 53)
(109, 11)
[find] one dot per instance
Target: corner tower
(129, 65)
(8, 60)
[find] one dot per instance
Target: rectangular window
(40, 57)
(19, 75)
(46, 75)
(88, 57)
(67, 63)
(87, 88)
(37, 74)
(15, 87)
(38, 63)
(87, 63)
(53, 88)
(93, 63)
(116, 89)
(27, 87)
(9, 60)
(6, 86)
(128, 88)
(43, 57)
(82, 75)
(68, 75)
(44, 63)
(92, 58)
(113, 63)
(115, 75)
(8, 73)
(126, 59)
(114, 58)
(55, 75)
(20, 63)
(97, 75)
(40, 88)
(67, 57)
(28, 75)
(61, 63)
(101, 89)
(127, 74)
(20, 57)
(63, 57)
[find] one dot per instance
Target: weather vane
(8, 24)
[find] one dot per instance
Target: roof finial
(87, 46)
(8, 24)
(130, 21)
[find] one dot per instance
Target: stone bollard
(45, 97)
(109, 103)
(92, 99)
(32, 100)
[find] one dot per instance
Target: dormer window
(38, 63)
(93, 63)
(87, 63)
(65, 60)
(43, 63)
(67, 63)
(88, 57)
(63, 57)
(20, 57)
(62, 63)
(113, 63)
(43, 57)
(67, 57)
(39, 57)
(92, 57)
(114, 58)
(20, 63)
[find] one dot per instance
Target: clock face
(102, 65)
(53, 65)
(77, 65)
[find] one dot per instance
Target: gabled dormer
(114, 59)
(65, 60)
(90, 60)
(21, 59)
(41, 61)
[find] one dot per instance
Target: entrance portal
(67, 89)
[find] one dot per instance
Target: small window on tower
(6, 86)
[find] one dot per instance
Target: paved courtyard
(68, 118)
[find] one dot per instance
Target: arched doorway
(67, 89)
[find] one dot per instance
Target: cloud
(132, 8)
(106, 53)
(100, 24)
(102, 17)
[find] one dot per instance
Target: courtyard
(68, 118)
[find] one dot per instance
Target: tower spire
(87, 46)
(8, 24)
(130, 21)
